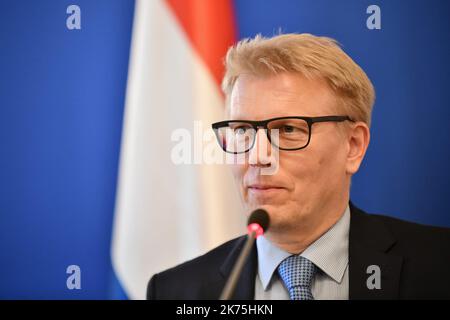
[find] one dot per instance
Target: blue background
(61, 106)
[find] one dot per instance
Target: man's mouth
(263, 188)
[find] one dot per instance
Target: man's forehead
(280, 95)
(254, 88)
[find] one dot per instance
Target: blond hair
(310, 56)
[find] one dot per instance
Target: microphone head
(259, 217)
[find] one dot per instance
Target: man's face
(307, 180)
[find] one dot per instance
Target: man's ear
(358, 141)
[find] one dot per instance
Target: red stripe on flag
(210, 26)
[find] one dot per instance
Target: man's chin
(277, 222)
(278, 228)
(268, 206)
(273, 203)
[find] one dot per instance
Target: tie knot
(297, 273)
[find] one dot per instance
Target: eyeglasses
(284, 133)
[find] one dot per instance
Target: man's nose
(260, 153)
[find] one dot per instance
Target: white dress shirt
(330, 255)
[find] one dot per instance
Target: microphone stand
(228, 290)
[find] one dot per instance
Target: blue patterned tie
(297, 274)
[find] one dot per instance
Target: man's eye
(240, 130)
(290, 129)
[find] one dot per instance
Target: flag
(167, 213)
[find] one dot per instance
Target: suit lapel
(370, 243)
(245, 289)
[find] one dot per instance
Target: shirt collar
(329, 252)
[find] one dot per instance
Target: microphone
(257, 224)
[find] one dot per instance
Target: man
(307, 105)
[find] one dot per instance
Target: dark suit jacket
(414, 261)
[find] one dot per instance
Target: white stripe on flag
(167, 213)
